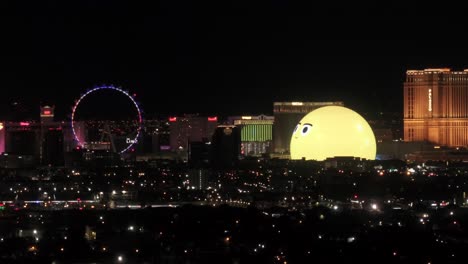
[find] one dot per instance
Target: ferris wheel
(106, 128)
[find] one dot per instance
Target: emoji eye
(306, 129)
(295, 129)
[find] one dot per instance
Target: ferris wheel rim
(81, 143)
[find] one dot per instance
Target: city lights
(263, 132)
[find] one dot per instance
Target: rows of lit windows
(410, 102)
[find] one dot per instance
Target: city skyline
(193, 58)
(233, 132)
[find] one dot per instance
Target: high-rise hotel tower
(436, 107)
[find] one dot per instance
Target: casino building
(256, 133)
(436, 107)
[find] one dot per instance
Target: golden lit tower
(436, 107)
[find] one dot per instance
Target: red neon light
(24, 124)
(172, 119)
(46, 112)
(213, 119)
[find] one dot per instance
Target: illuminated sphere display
(332, 131)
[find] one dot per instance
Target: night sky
(220, 57)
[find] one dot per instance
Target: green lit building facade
(256, 134)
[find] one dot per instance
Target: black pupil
(304, 130)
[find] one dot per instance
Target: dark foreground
(223, 234)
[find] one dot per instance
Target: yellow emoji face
(332, 131)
